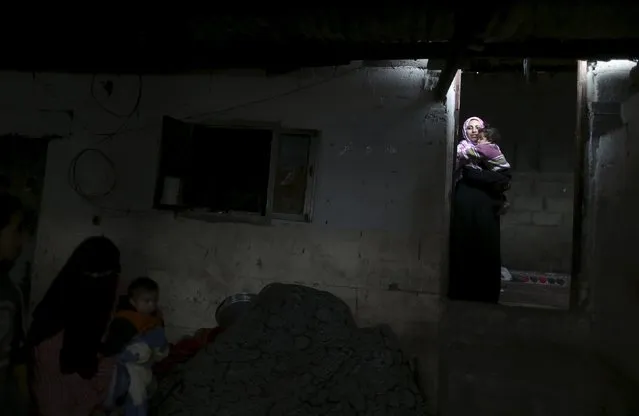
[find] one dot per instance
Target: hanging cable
(127, 116)
(75, 184)
(113, 113)
(93, 198)
(267, 99)
(195, 117)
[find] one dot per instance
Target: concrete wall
(23, 161)
(379, 128)
(378, 232)
(537, 121)
(611, 260)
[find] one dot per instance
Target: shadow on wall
(22, 164)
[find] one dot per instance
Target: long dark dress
(475, 252)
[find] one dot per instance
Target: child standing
(486, 154)
(137, 336)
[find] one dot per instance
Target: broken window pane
(292, 173)
(229, 170)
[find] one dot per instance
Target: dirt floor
(535, 295)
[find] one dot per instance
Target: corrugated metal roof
(316, 35)
(516, 23)
(567, 22)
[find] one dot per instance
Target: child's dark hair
(491, 134)
(142, 285)
(9, 205)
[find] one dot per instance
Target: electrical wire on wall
(94, 197)
(335, 76)
(74, 183)
(194, 117)
(108, 86)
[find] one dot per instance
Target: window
(236, 171)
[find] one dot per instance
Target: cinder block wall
(537, 121)
(610, 256)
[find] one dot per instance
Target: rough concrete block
(521, 186)
(568, 221)
(426, 279)
(546, 218)
(604, 123)
(605, 107)
(516, 218)
(527, 203)
(400, 310)
(559, 158)
(560, 205)
(612, 84)
(555, 189)
(563, 177)
(629, 108)
(388, 247)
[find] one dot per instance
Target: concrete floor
(535, 295)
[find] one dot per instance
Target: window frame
(248, 217)
(311, 174)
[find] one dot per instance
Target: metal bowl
(233, 307)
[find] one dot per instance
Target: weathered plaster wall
(537, 120)
(379, 207)
(22, 161)
(379, 128)
(611, 261)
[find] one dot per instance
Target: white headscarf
(467, 122)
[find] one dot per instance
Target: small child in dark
(137, 336)
(494, 160)
(487, 155)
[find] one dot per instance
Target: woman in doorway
(475, 252)
(69, 377)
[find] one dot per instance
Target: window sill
(243, 218)
(234, 217)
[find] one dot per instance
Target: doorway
(535, 113)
